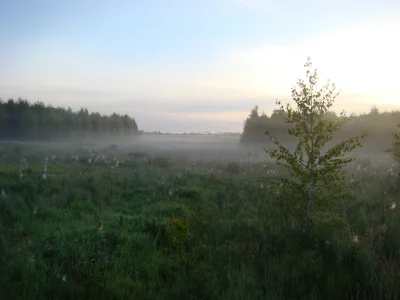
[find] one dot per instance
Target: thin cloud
(265, 6)
(361, 59)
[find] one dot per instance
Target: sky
(194, 66)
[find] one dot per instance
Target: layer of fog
(199, 147)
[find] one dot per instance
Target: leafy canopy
(395, 150)
(314, 187)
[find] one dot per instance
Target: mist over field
(93, 206)
(214, 149)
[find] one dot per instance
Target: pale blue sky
(195, 65)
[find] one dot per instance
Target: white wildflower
(393, 206)
(355, 240)
(44, 176)
(23, 164)
(3, 194)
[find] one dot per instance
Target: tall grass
(136, 226)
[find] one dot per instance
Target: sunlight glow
(359, 60)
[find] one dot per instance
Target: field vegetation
(204, 220)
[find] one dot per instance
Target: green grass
(169, 228)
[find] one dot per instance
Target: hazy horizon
(198, 66)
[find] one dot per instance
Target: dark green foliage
(256, 125)
(92, 232)
(379, 126)
(23, 120)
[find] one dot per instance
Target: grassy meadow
(105, 221)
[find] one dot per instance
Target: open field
(158, 219)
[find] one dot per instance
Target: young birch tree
(395, 150)
(315, 189)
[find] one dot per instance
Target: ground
(151, 221)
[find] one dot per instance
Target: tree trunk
(308, 215)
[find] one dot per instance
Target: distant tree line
(378, 125)
(234, 134)
(256, 124)
(23, 120)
